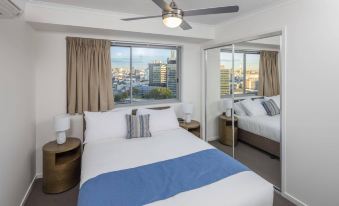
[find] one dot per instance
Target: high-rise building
(157, 74)
(172, 72)
(224, 81)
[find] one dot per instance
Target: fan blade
(216, 10)
(185, 26)
(163, 5)
(143, 17)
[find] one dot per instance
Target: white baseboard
(212, 138)
(38, 175)
(23, 201)
(293, 199)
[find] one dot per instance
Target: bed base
(259, 142)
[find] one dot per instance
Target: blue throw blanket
(158, 181)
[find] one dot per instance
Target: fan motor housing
(173, 13)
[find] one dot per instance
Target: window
(246, 73)
(145, 74)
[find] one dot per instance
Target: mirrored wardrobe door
(255, 87)
(218, 98)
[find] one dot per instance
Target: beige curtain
(89, 76)
(268, 74)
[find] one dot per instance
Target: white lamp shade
(187, 108)
(61, 122)
(227, 103)
(172, 22)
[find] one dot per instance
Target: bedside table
(225, 130)
(61, 165)
(193, 127)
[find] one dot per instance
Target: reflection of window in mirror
(246, 73)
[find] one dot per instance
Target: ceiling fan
(172, 16)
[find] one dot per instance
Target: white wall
(311, 81)
(213, 101)
(17, 121)
(51, 81)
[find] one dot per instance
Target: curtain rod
(147, 44)
(121, 42)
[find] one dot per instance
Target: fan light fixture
(172, 21)
(173, 18)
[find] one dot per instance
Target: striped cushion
(271, 107)
(138, 126)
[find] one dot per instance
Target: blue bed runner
(158, 181)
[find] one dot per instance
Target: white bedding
(242, 189)
(266, 126)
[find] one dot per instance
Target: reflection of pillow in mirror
(253, 108)
(239, 110)
(276, 99)
(271, 107)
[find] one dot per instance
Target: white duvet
(266, 126)
(242, 189)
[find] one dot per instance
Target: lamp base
(228, 112)
(61, 138)
(188, 118)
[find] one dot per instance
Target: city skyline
(153, 74)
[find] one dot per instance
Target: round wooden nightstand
(61, 165)
(193, 127)
(225, 130)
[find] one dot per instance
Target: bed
(168, 149)
(262, 132)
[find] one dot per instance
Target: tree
(159, 93)
(121, 97)
(135, 91)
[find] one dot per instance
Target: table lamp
(61, 125)
(228, 105)
(188, 110)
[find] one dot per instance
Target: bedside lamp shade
(188, 110)
(61, 124)
(228, 105)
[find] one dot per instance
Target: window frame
(131, 45)
(244, 52)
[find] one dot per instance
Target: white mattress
(242, 189)
(266, 126)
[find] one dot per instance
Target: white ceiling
(147, 7)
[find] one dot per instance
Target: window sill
(150, 103)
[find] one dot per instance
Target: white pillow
(276, 99)
(102, 125)
(239, 110)
(253, 108)
(159, 120)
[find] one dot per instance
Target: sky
(120, 56)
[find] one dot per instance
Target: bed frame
(257, 141)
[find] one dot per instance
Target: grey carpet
(258, 161)
(69, 198)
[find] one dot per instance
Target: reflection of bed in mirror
(262, 132)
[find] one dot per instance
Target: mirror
(243, 104)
